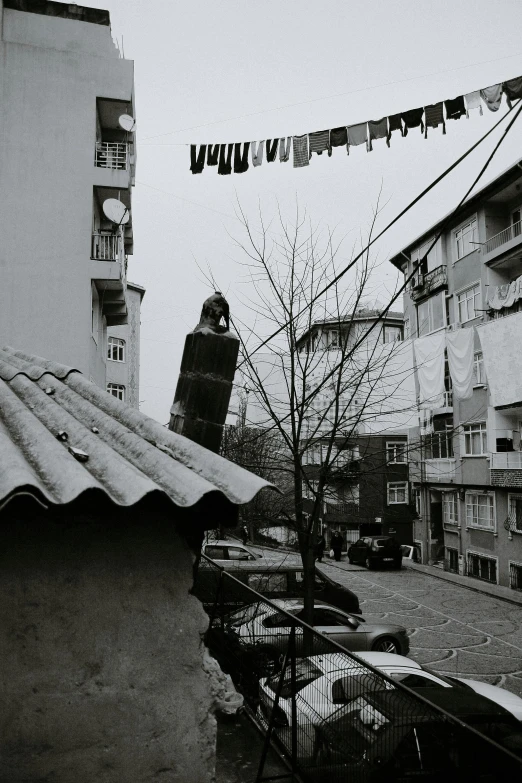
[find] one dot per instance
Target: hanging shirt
(513, 89)
(378, 129)
(394, 123)
(473, 101)
(412, 119)
(339, 137)
(357, 134)
(271, 149)
(492, 96)
(320, 142)
(241, 159)
(301, 156)
(213, 154)
(284, 149)
(197, 162)
(455, 108)
(225, 159)
(434, 117)
(257, 154)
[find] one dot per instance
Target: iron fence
(333, 716)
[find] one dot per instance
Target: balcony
(423, 285)
(108, 271)
(506, 460)
(505, 244)
(111, 155)
(440, 470)
(106, 246)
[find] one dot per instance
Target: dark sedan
(372, 551)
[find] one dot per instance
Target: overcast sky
(235, 70)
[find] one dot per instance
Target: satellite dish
(127, 122)
(116, 211)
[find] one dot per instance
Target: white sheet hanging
(429, 358)
(460, 347)
(501, 340)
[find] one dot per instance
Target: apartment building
(123, 351)
(466, 451)
(63, 89)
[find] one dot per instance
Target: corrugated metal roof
(129, 454)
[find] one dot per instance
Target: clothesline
(303, 146)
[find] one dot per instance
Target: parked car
(411, 552)
(372, 551)
(223, 551)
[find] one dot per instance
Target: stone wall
(506, 478)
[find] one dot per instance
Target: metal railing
(333, 716)
(448, 399)
(106, 247)
(111, 155)
(511, 232)
(506, 460)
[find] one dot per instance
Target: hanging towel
(257, 154)
(319, 142)
(197, 162)
(434, 117)
(460, 348)
(429, 357)
(225, 161)
(357, 134)
(412, 119)
(241, 160)
(513, 89)
(339, 137)
(213, 154)
(500, 341)
(271, 149)
(394, 123)
(473, 101)
(492, 96)
(284, 149)
(301, 157)
(455, 108)
(378, 129)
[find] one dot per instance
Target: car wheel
(350, 559)
(397, 564)
(368, 563)
(387, 645)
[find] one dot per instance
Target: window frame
(430, 302)
(492, 528)
(392, 329)
(476, 299)
(483, 556)
(479, 372)
(450, 519)
(514, 496)
(116, 345)
(400, 449)
(482, 431)
(393, 486)
(119, 387)
(459, 230)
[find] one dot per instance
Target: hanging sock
(271, 149)
(197, 162)
(394, 124)
(339, 137)
(434, 117)
(225, 161)
(241, 160)
(473, 102)
(492, 96)
(357, 134)
(213, 154)
(412, 119)
(378, 129)
(455, 108)
(257, 154)
(513, 89)
(301, 156)
(320, 142)
(284, 149)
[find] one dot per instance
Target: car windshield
(305, 673)
(355, 731)
(280, 620)
(247, 613)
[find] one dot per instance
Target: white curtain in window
(429, 358)
(500, 340)
(460, 346)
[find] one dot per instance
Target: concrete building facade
(123, 351)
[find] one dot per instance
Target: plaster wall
(128, 372)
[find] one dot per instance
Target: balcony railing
(106, 247)
(511, 232)
(506, 460)
(442, 470)
(426, 284)
(111, 155)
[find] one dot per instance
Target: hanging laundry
(455, 108)
(301, 156)
(473, 101)
(434, 117)
(339, 137)
(357, 134)
(197, 162)
(284, 149)
(378, 129)
(429, 358)
(513, 89)
(257, 154)
(271, 149)
(213, 154)
(394, 123)
(241, 160)
(225, 160)
(500, 342)
(460, 348)
(412, 119)
(492, 96)
(319, 142)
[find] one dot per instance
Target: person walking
(320, 547)
(336, 542)
(244, 534)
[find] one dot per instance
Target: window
(480, 511)
(515, 576)
(482, 567)
(391, 334)
(465, 239)
(333, 340)
(397, 492)
(468, 304)
(117, 390)
(475, 439)
(236, 553)
(452, 560)
(439, 445)
(396, 451)
(115, 349)
(406, 328)
(450, 513)
(515, 513)
(478, 369)
(430, 314)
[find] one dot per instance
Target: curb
(443, 575)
